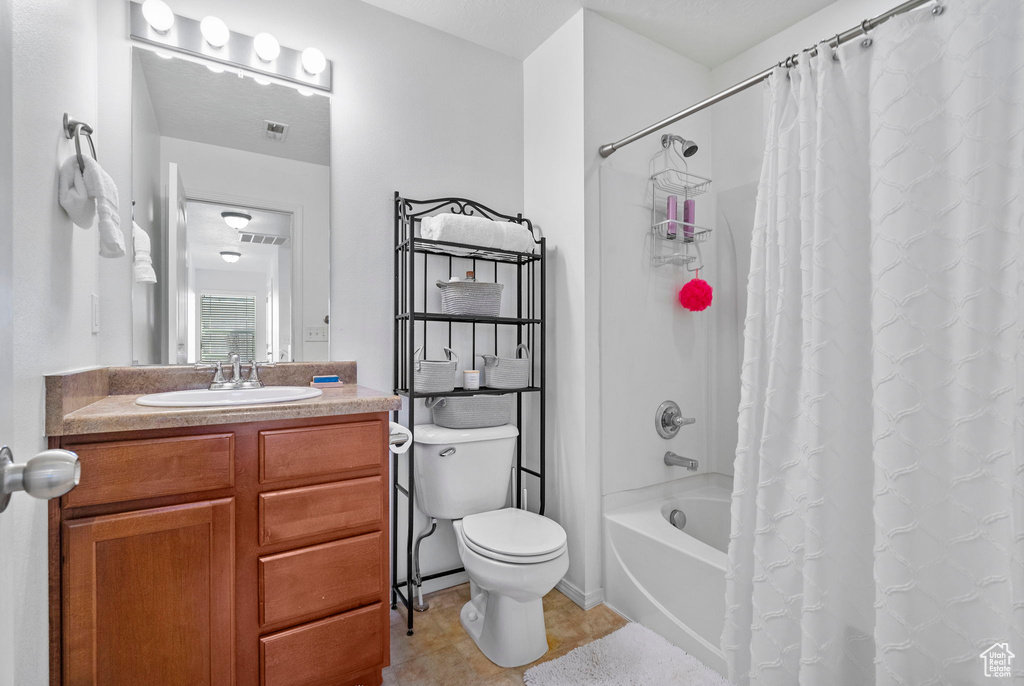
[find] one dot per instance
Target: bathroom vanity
(218, 546)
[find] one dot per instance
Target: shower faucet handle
(669, 419)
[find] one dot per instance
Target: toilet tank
(474, 474)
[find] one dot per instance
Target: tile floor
(440, 653)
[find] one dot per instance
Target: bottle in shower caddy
(470, 276)
(671, 213)
(688, 207)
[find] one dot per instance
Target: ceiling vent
(262, 238)
(275, 131)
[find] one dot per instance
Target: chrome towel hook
(74, 129)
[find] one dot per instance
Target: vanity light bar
(186, 36)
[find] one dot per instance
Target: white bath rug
(632, 656)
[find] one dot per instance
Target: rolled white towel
(73, 195)
(101, 187)
(143, 265)
(460, 228)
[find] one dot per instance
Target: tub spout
(673, 460)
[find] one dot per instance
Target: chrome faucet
(219, 383)
(673, 460)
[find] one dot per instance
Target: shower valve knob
(669, 419)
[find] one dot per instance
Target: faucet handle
(218, 365)
(254, 373)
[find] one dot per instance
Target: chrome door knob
(50, 474)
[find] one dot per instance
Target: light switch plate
(316, 334)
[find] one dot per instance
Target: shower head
(687, 147)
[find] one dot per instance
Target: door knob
(50, 474)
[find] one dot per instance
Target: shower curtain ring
(867, 39)
(835, 49)
(938, 9)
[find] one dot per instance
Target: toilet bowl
(513, 557)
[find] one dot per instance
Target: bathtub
(670, 580)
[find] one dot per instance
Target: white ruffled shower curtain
(878, 510)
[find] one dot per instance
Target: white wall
(211, 171)
(7, 595)
(651, 348)
(553, 98)
(55, 271)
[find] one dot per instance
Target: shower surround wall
(621, 342)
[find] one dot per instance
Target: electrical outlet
(95, 313)
(316, 334)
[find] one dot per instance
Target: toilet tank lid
(431, 434)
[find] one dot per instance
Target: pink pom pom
(695, 295)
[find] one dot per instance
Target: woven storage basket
(472, 412)
(474, 298)
(434, 376)
(507, 372)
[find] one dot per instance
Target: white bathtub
(669, 580)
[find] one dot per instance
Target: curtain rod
(836, 41)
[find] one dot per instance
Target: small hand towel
(143, 264)
(72, 194)
(101, 187)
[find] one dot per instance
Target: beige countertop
(81, 402)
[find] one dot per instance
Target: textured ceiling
(193, 103)
(708, 32)
(208, 235)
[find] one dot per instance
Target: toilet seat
(514, 536)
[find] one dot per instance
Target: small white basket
(472, 412)
(434, 376)
(507, 372)
(470, 298)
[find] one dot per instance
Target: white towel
(460, 228)
(73, 196)
(101, 187)
(143, 264)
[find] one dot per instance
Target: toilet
(513, 557)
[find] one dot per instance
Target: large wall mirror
(231, 185)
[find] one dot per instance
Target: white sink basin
(244, 396)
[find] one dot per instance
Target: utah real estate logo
(997, 660)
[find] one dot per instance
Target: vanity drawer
(321, 450)
(132, 470)
(320, 579)
(316, 510)
(325, 652)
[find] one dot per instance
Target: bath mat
(632, 656)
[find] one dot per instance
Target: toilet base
(508, 632)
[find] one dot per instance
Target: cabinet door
(149, 597)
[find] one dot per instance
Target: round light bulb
(158, 15)
(304, 91)
(215, 31)
(262, 81)
(267, 47)
(215, 69)
(313, 61)
(230, 256)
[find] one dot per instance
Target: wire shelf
(684, 233)
(426, 245)
(681, 183)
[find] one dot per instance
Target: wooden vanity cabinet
(249, 554)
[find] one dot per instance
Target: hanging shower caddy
(675, 239)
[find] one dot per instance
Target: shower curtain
(878, 509)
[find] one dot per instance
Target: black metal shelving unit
(530, 329)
